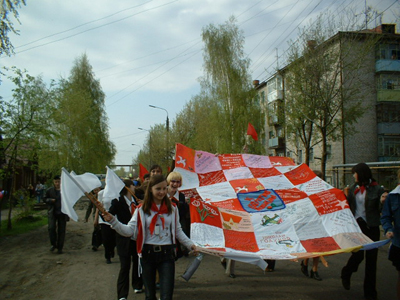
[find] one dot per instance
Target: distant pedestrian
(39, 190)
(57, 221)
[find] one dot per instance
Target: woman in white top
(155, 226)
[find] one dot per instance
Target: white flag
(114, 185)
(74, 187)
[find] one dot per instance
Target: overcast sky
(150, 52)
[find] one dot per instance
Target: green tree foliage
(154, 150)
(23, 122)
(7, 8)
(227, 90)
(82, 141)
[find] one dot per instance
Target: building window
(388, 113)
(389, 148)
(263, 97)
(388, 82)
(300, 156)
(388, 51)
(271, 134)
(328, 152)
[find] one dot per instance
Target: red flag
(142, 171)
(251, 131)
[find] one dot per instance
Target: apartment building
(375, 135)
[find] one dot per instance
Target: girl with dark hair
(364, 201)
(123, 208)
(155, 170)
(155, 226)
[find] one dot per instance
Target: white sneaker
(138, 291)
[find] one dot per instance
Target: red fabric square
(184, 157)
(264, 172)
(291, 195)
(329, 201)
(201, 212)
(231, 161)
(320, 245)
(211, 178)
(280, 161)
(246, 185)
(300, 175)
(242, 241)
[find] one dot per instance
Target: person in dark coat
(57, 221)
(364, 201)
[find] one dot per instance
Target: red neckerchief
(163, 210)
(363, 187)
(133, 207)
(174, 200)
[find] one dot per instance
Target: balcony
(276, 143)
(389, 128)
(388, 95)
(389, 65)
(272, 119)
(275, 95)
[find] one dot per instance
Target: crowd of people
(149, 224)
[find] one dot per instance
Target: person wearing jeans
(155, 226)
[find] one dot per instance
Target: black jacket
(372, 203)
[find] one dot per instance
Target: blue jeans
(164, 262)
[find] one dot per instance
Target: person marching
(390, 220)
(123, 208)
(155, 226)
(107, 233)
(364, 201)
(174, 181)
(57, 220)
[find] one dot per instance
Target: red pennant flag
(251, 131)
(142, 171)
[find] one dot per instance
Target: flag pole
(92, 198)
(133, 195)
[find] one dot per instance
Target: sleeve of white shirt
(128, 230)
(180, 235)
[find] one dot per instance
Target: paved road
(83, 274)
(286, 282)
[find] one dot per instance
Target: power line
(83, 24)
(372, 20)
(94, 28)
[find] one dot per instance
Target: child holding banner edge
(391, 224)
(364, 201)
(155, 226)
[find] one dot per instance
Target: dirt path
(28, 270)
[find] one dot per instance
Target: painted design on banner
(268, 221)
(260, 201)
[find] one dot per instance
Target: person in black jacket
(123, 208)
(364, 201)
(57, 221)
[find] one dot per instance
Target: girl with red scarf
(364, 201)
(155, 226)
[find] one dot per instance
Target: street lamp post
(149, 142)
(167, 127)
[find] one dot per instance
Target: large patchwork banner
(251, 207)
